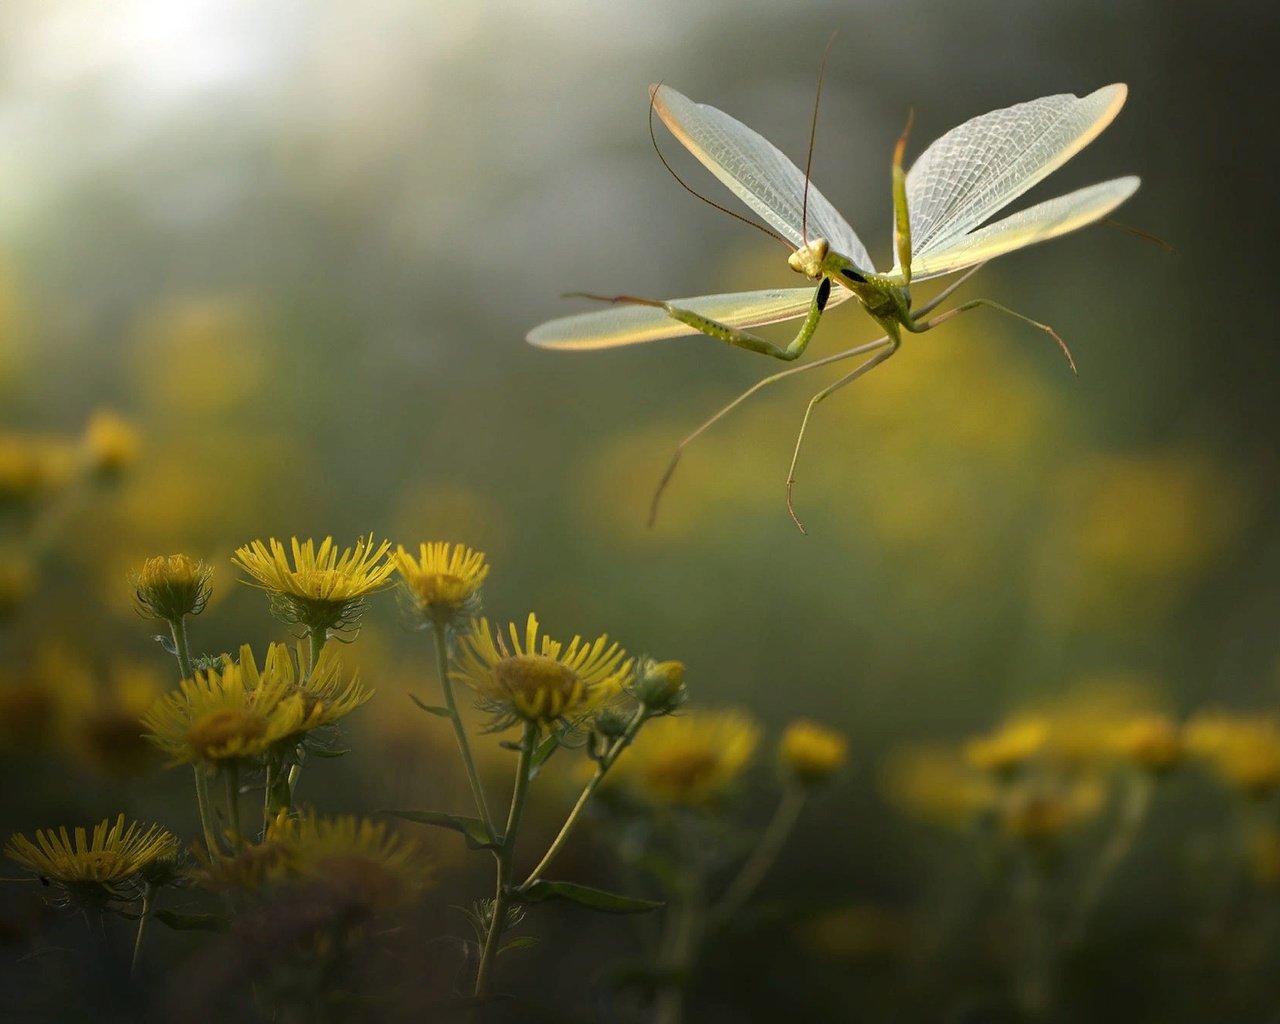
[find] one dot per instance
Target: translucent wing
(980, 167)
(757, 172)
(1038, 223)
(631, 324)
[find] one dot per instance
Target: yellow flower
(689, 760)
(811, 752)
(1042, 811)
(31, 467)
(17, 581)
(326, 698)
(1150, 741)
(660, 685)
(323, 589)
(172, 587)
(935, 784)
(1243, 750)
(540, 679)
(1011, 746)
(444, 581)
(226, 713)
(106, 863)
(111, 443)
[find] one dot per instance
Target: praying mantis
(940, 209)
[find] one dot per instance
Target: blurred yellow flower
(30, 467)
(1011, 746)
(322, 589)
(1044, 809)
(812, 752)
(1243, 750)
(111, 443)
(226, 713)
(1150, 741)
(688, 760)
(111, 857)
(539, 679)
(935, 783)
(171, 587)
(444, 581)
(17, 581)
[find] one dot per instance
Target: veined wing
(758, 173)
(1038, 223)
(975, 170)
(628, 324)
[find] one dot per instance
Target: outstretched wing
(980, 167)
(1038, 223)
(757, 172)
(628, 324)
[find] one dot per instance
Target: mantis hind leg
(733, 335)
(707, 424)
(893, 342)
(920, 326)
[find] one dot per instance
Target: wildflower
(111, 443)
(172, 587)
(1151, 741)
(935, 784)
(324, 589)
(31, 467)
(1007, 749)
(107, 732)
(660, 685)
(226, 713)
(540, 680)
(444, 581)
(1043, 811)
(1244, 751)
(108, 865)
(17, 581)
(811, 752)
(326, 698)
(689, 760)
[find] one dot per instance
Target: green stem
(602, 768)
(266, 793)
(202, 803)
(148, 894)
(231, 775)
(680, 940)
(318, 636)
(446, 685)
(766, 852)
(178, 627)
(502, 894)
(1133, 812)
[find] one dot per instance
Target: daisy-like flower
(1004, 751)
(538, 679)
(689, 760)
(226, 713)
(109, 864)
(111, 443)
(324, 588)
(171, 587)
(811, 752)
(444, 581)
(1243, 750)
(326, 696)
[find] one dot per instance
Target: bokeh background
(297, 248)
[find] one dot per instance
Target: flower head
(444, 581)
(1007, 749)
(538, 679)
(111, 443)
(226, 713)
(689, 760)
(659, 685)
(323, 589)
(1150, 741)
(172, 587)
(811, 752)
(1243, 750)
(107, 864)
(326, 696)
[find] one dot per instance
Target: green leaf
(473, 829)
(432, 709)
(181, 922)
(585, 895)
(542, 753)
(523, 942)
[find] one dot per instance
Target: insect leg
(920, 326)
(870, 346)
(894, 340)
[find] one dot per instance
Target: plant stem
(202, 803)
(602, 768)
(148, 894)
(502, 895)
(766, 852)
(446, 685)
(178, 627)
(680, 940)
(231, 775)
(318, 637)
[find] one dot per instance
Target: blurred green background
(299, 246)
